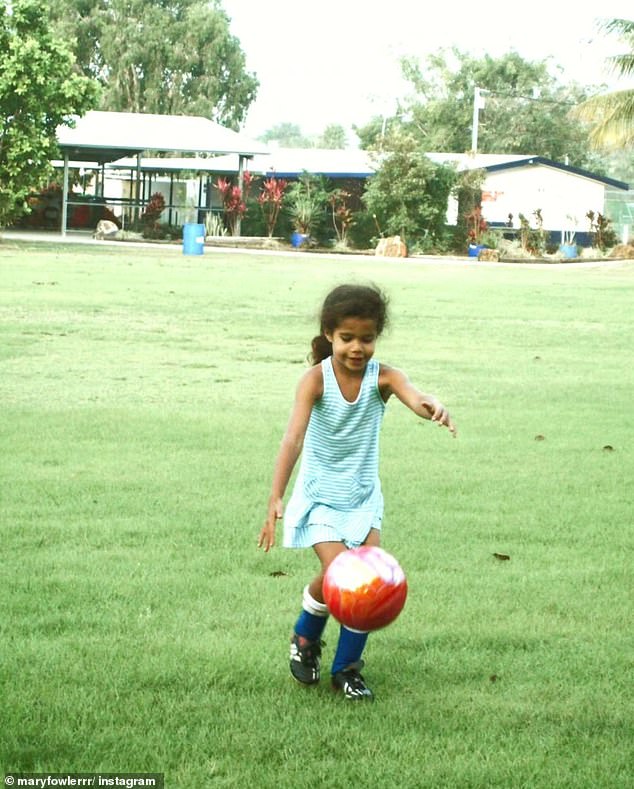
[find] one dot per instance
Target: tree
(527, 109)
(408, 195)
(38, 92)
(333, 136)
(290, 135)
(287, 135)
(612, 114)
(172, 57)
(369, 135)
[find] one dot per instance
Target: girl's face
(353, 343)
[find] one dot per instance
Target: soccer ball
(365, 588)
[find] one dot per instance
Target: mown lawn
(144, 395)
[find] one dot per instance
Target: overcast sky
(337, 61)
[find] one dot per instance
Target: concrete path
(85, 238)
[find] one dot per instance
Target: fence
(619, 208)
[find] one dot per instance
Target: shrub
(409, 193)
(153, 210)
(270, 201)
(468, 192)
(305, 204)
(601, 231)
(234, 199)
(342, 217)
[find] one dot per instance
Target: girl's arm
(393, 381)
(309, 389)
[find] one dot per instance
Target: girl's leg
(373, 538)
(326, 553)
(347, 662)
(349, 649)
(352, 642)
(305, 646)
(305, 643)
(312, 619)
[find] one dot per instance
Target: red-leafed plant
(270, 199)
(153, 210)
(341, 213)
(602, 234)
(234, 199)
(476, 225)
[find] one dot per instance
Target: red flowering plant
(341, 213)
(476, 225)
(153, 210)
(270, 199)
(234, 199)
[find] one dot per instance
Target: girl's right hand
(266, 539)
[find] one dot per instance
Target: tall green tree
(290, 135)
(408, 195)
(333, 136)
(526, 109)
(287, 135)
(172, 57)
(612, 114)
(39, 90)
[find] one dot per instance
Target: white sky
(337, 61)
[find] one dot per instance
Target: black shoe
(352, 684)
(305, 660)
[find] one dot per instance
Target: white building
(515, 185)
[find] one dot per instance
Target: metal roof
(173, 164)
(348, 163)
(292, 162)
(107, 136)
(492, 163)
(540, 160)
(478, 161)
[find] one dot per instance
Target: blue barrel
(193, 239)
(297, 239)
(569, 250)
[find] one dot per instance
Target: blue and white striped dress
(337, 494)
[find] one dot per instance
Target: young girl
(337, 502)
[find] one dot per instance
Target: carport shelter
(103, 137)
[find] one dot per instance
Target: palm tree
(612, 114)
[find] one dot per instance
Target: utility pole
(478, 104)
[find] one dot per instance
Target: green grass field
(144, 395)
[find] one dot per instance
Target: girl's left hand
(394, 381)
(440, 415)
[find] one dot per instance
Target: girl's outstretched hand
(266, 539)
(394, 381)
(440, 415)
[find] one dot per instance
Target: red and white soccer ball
(365, 588)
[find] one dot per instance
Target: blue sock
(310, 626)
(312, 620)
(349, 649)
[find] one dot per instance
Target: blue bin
(297, 239)
(193, 239)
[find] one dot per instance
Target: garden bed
(247, 242)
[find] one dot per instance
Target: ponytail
(321, 348)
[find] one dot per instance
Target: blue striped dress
(337, 494)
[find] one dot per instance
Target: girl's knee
(373, 538)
